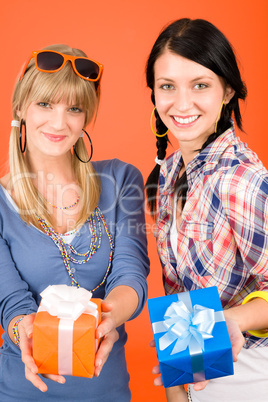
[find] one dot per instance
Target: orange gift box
(80, 348)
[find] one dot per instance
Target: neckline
(15, 209)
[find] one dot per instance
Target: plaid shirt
(223, 235)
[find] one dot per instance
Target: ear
(229, 93)
(18, 113)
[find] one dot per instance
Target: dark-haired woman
(212, 207)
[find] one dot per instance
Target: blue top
(30, 261)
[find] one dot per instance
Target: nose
(184, 101)
(58, 119)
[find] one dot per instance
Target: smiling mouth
(185, 120)
(54, 137)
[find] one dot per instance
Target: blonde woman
(66, 220)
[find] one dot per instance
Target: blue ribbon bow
(187, 325)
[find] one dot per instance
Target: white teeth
(186, 120)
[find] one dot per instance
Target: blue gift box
(191, 337)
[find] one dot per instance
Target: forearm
(250, 316)
(124, 301)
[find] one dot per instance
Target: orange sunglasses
(50, 61)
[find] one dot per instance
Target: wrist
(176, 394)
(253, 296)
(15, 331)
(251, 315)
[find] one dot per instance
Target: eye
(167, 87)
(43, 104)
(201, 86)
(75, 109)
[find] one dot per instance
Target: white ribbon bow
(67, 301)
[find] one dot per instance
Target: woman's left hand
(236, 337)
(107, 334)
(237, 340)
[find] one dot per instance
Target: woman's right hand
(107, 334)
(173, 394)
(25, 330)
(176, 394)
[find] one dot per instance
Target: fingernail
(61, 380)
(100, 363)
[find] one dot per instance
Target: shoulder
(243, 176)
(7, 206)
(235, 162)
(5, 181)
(172, 159)
(117, 170)
(119, 181)
(112, 164)
(4, 188)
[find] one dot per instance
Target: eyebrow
(202, 77)
(165, 79)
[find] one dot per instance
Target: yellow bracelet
(262, 295)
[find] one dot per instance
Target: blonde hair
(36, 85)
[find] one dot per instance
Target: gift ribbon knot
(67, 302)
(184, 326)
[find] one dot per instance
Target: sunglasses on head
(50, 61)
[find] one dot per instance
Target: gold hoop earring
(219, 115)
(152, 128)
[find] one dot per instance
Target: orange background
(120, 34)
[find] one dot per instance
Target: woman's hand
(176, 394)
(173, 394)
(118, 307)
(158, 380)
(25, 330)
(107, 334)
(236, 337)
(237, 341)
(156, 369)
